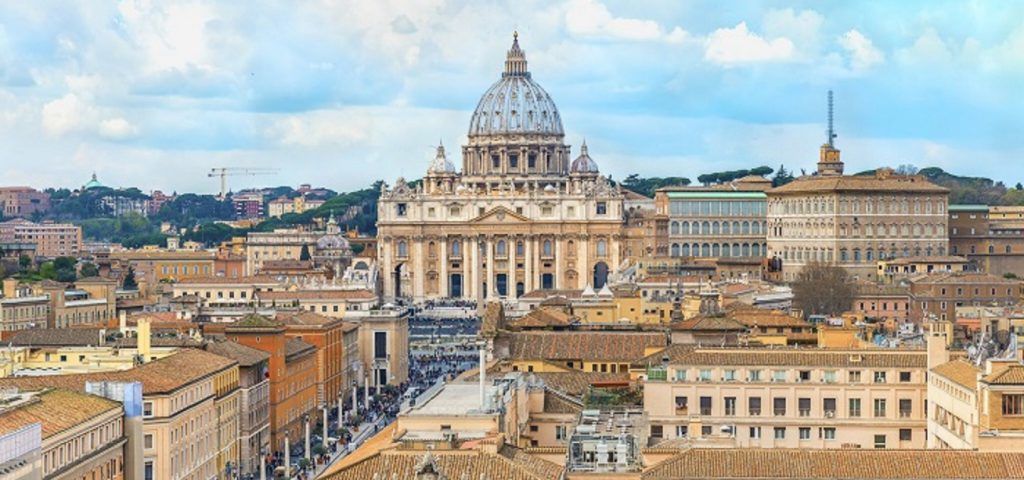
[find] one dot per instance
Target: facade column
(419, 264)
(582, 262)
(388, 267)
(490, 268)
(613, 250)
(558, 263)
(510, 284)
(443, 286)
(528, 264)
(470, 248)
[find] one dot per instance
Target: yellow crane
(225, 172)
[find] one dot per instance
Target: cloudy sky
(340, 93)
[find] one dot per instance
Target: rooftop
(792, 357)
(960, 372)
(879, 182)
(594, 345)
(848, 464)
(56, 410)
(316, 295)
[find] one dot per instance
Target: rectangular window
(682, 405)
(805, 375)
(904, 377)
(755, 432)
(779, 406)
(906, 435)
(401, 209)
(705, 430)
(754, 375)
(380, 344)
(805, 433)
(854, 407)
(828, 433)
(879, 441)
(828, 405)
(906, 407)
(804, 406)
(148, 441)
(780, 433)
(854, 376)
(754, 406)
(680, 375)
(879, 377)
(705, 375)
(879, 407)
(705, 405)
(1013, 405)
(730, 406)
(513, 160)
(559, 432)
(682, 431)
(602, 208)
(829, 376)
(778, 375)
(147, 409)
(729, 375)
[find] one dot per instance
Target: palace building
(520, 215)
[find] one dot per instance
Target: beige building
(384, 347)
(519, 216)
(225, 291)
(190, 411)
(23, 201)
(81, 436)
(721, 221)
(300, 204)
(785, 398)
(281, 244)
(51, 239)
(335, 303)
(854, 220)
(973, 405)
(23, 312)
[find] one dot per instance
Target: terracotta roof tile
(316, 295)
(959, 372)
(245, 356)
(858, 183)
(888, 358)
(56, 410)
(555, 346)
(453, 464)
(1013, 375)
(785, 463)
(159, 376)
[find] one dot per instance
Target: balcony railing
(805, 412)
(780, 412)
(657, 374)
(754, 412)
(705, 411)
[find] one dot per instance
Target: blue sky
(339, 93)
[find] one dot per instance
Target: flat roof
(968, 208)
(675, 195)
(453, 399)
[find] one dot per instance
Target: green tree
(782, 177)
(25, 262)
(89, 269)
(304, 254)
(129, 282)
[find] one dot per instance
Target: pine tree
(129, 280)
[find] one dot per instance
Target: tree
(304, 254)
(129, 282)
(89, 269)
(822, 289)
(25, 262)
(1018, 186)
(907, 169)
(763, 171)
(782, 177)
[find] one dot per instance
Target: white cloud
(590, 18)
(315, 129)
(863, 53)
(802, 28)
(732, 46)
(117, 129)
(928, 49)
(66, 114)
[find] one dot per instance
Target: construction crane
(225, 172)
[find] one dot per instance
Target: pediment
(500, 215)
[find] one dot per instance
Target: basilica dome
(515, 104)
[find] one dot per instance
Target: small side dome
(583, 163)
(440, 164)
(549, 188)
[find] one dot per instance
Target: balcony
(659, 374)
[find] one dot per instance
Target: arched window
(403, 249)
(843, 256)
(686, 250)
(685, 230)
(755, 249)
(714, 228)
(602, 248)
(675, 249)
(856, 255)
(431, 250)
(746, 228)
(716, 250)
(674, 228)
(726, 251)
(705, 228)
(746, 249)
(725, 228)
(991, 249)
(1008, 250)
(755, 228)
(705, 249)
(869, 254)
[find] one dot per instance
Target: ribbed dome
(441, 164)
(515, 104)
(583, 163)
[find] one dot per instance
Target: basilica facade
(521, 214)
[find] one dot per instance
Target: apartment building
(327, 335)
(300, 204)
(591, 351)
(226, 291)
(23, 312)
(51, 239)
(248, 205)
(281, 244)
(992, 238)
(81, 436)
(23, 201)
(91, 301)
(886, 303)
(254, 400)
(336, 303)
(940, 294)
(292, 371)
(787, 398)
(189, 411)
(152, 265)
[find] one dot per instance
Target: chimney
(143, 339)
(937, 341)
(483, 377)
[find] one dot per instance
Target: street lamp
(306, 419)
